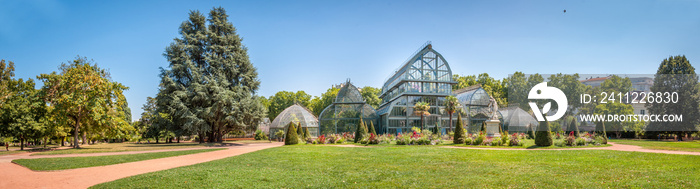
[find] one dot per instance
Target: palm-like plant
(421, 109)
(451, 106)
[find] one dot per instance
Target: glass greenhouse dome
(296, 114)
(343, 115)
(517, 120)
(475, 101)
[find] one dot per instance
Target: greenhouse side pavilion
(425, 77)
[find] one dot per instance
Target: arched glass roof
(344, 113)
(517, 120)
(474, 100)
(349, 93)
(296, 114)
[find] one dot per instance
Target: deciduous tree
(82, 94)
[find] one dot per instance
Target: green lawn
(308, 166)
(122, 147)
(44, 164)
(690, 146)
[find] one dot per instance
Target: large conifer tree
(210, 85)
(675, 75)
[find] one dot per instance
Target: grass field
(44, 164)
(690, 146)
(122, 147)
(308, 166)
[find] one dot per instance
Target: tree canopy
(83, 95)
(210, 85)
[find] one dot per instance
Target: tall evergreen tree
(676, 75)
(209, 88)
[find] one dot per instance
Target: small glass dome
(517, 120)
(296, 114)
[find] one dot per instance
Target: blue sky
(311, 45)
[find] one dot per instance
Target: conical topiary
(543, 135)
(361, 131)
(460, 136)
(291, 137)
(306, 133)
(574, 127)
(483, 127)
(371, 128)
(530, 132)
(300, 131)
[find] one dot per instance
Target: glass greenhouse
(343, 115)
(475, 101)
(517, 120)
(296, 114)
(424, 77)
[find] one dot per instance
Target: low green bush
(505, 139)
(559, 143)
(260, 135)
(479, 139)
(469, 141)
(580, 142)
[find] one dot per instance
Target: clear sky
(311, 45)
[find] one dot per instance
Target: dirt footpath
(15, 176)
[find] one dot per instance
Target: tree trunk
(451, 123)
(201, 138)
(63, 141)
(84, 137)
(178, 139)
(157, 140)
(21, 142)
(44, 142)
(421, 123)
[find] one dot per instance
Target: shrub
(468, 141)
(260, 135)
(530, 133)
(300, 131)
(514, 141)
(340, 141)
(570, 141)
(580, 142)
(496, 141)
(306, 133)
(505, 139)
(479, 139)
(314, 142)
(291, 137)
(459, 135)
(361, 131)
(321, 139)
(543, 136)
(279, 134)
(403, 139)
(560, 143)
(601, 140)
(371, 128)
